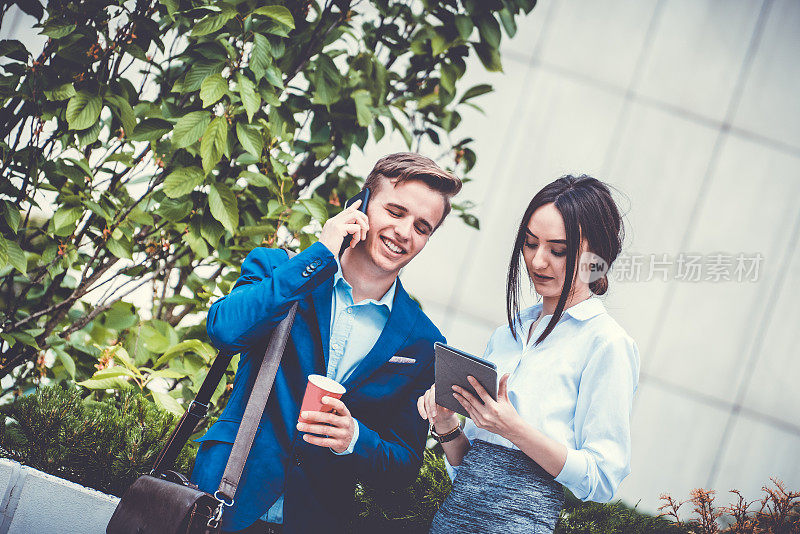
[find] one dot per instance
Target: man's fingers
(322, 430)
(467, 406)
(321, 442)
(337, 405)
(354, 206)
(321, 417)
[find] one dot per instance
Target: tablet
(452, 366)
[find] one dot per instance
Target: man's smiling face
(401, 220)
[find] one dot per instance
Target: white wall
(690, 108)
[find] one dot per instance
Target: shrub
(103, 445)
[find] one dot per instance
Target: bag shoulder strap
(252, 415)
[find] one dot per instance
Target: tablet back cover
(452, 368)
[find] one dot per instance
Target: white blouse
(576, 387)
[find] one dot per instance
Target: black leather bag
(165, 502)
(172, 504)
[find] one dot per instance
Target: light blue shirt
(355, 327)
(576, 387)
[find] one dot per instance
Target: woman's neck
(549, 303)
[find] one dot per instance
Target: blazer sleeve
(270, 282)
(392, 458)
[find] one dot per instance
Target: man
(356, 324)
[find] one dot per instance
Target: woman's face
(545, 253)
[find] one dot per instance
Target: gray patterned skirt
(499, 490)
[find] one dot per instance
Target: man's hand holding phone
(350, 222)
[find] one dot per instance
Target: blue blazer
(318, 486)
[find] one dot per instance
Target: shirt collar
(582, 311)
(341, 284)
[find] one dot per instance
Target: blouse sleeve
(594, 470)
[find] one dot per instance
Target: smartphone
(363, 196)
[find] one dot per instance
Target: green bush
(104, 445)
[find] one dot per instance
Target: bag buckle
(198, 409)
(213, 521)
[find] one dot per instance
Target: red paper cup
(319, 386)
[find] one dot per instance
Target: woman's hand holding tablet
(452, 369)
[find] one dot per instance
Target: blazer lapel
(322, 304)
(397, 328)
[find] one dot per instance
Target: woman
(569, 372)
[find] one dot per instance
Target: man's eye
(394, 213)
(422, 230)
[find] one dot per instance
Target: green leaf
(13, 49)
(16, 257)
(250, 100)
(64, 220)
(58, 30)
(363, 100)
(66, 360)
(62, 92)
(212, 23)
(256, 179)
(477, 90)
(489, 29)
(224, 206)
(278, 13)
(168, 403)
(174, 210)
(182, 181)
(120, 248)
(90, 135)
(212, 89)
(83, 110)
(464, 26)
(489, 56)
(189, 128)
(213, 143)
(260, 57)
(250, 139)
(199, 72)
(119, 382)
(316, 208)
(195, 346)
(153, 338)
(151, 130)
(508, 22)
(12, 216)
(120, 316)
(400, 128)
(124, 111)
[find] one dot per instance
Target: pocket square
(401, 359)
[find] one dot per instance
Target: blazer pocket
(398, 368)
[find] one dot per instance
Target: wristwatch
(447, 436)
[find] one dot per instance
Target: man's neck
(368, 281)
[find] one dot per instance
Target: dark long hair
(586, 205)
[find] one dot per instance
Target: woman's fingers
(430, 403)
(502, 389)
(421, 407)
(479, 389)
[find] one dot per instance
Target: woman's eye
(394, 213)
(532, 245)
(559, 254)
